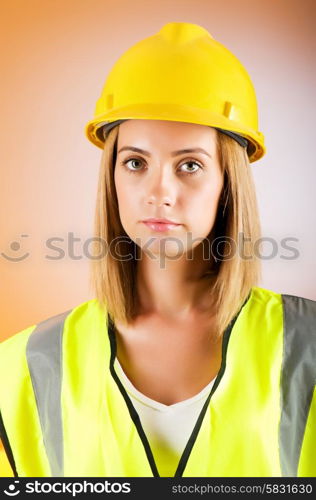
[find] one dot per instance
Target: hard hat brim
(175, 112)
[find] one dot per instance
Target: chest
(169, 361)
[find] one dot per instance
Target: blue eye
(188, 162)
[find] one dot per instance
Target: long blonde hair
(113, 280)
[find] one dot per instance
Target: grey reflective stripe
(298, 377)
(44, 358)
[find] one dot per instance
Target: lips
(161, 221)
(160, 225)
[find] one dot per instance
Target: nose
(161, 188)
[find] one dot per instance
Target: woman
(181, 365)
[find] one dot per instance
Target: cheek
(202, 211)
(126, 202)
(204, 204)
(121, 190)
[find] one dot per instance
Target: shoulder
(299, 319)
(295, 315)
(292, 311)
(301, 305)
(263, 296)
(77, 317)
(50, 344)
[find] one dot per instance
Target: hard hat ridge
(178, 32)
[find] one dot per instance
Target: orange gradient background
(55, 57)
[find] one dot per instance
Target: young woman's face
(160, 181)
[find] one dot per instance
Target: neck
(178, 290)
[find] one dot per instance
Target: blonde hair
(114, 280)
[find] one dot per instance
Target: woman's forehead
(165, 132)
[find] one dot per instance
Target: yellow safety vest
(64, 411)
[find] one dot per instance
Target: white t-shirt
(167, 428)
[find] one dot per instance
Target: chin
(158, 246)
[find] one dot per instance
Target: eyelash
(184, 173)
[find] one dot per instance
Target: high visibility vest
(64, 411)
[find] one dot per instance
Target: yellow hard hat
(180, 74)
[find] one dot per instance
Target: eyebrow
(174, 153)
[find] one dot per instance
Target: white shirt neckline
(156, 405)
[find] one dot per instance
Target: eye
(131, 170)
(139, 161)
(192, 162)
